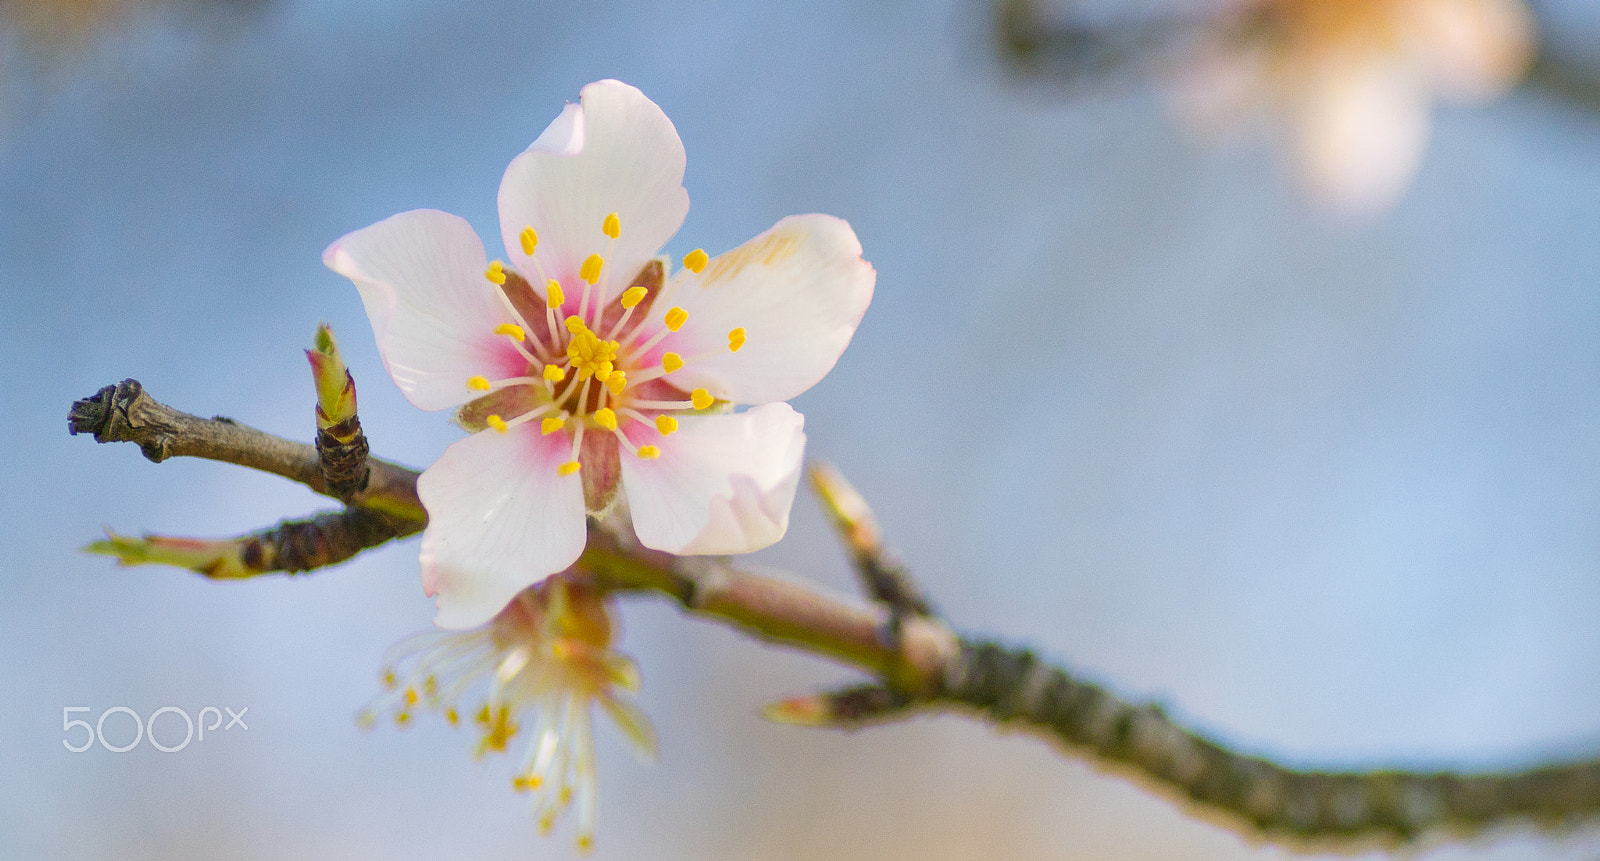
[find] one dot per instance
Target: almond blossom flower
(547, 659)
(1352, 81)
(587, 375)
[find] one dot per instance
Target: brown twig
(928, 666)
(125, 413)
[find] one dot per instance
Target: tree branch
(125, 413)
(927, 666)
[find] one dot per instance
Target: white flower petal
(421, 279)
(1476, 49)
(798, 290)
(723, 483)
(500, 518)
(617, 152)
(1360, 133)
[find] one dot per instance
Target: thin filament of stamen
(663, 405)
(635, 352)
(604, 285)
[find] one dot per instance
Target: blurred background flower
(1328, 492)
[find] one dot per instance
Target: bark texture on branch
(125, 413)
(1013, 686)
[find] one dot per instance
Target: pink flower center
(599, 370)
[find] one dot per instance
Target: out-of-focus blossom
(586, 374)
(1351, 82)
(547, 662)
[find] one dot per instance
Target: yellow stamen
(483, 714)
(606, 418)
(671, 362)
(478, 384)
(511, 329)
(496, 272)
(494, 421)
(553, 295)
(525, 783)
(585, 843)
(389, 680)
(617, 383)
(568, 468)
(530, 240)
(612, 226)
(736, 339)
(402, 718)
(649, 452)
(702, 399)
(633, 296)
(696, 260)
(666, 424)
(590, 270)
(554, 373)
(551, 425)
(411, 696)
(452, 716)
(675, 319)
(589, 355)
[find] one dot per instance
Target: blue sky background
(1329, 491)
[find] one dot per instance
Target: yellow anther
(494, 421)
(530, 240)
(575, 324)
(411, 696)
(402, 718)
(554, 373)
(649, 452)
(496, 272)
(452, 716)
(612, 226)
(606, 418)
(430, 686)
(696, 260)
(478, 384)
(512, 330)
(547, 823)
(568, 468)
(671, 362)
(603, 369)
(675, 318)
(617, 383)
(553, 295)
(551, 425)
(389, 680)
(666, 424)
(585, 843)
(736, 339)
(483, 714)
(702, 399)
(590, 270)
(526, 782)
(633, 296)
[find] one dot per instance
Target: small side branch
(292, 547)
(125, 413)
